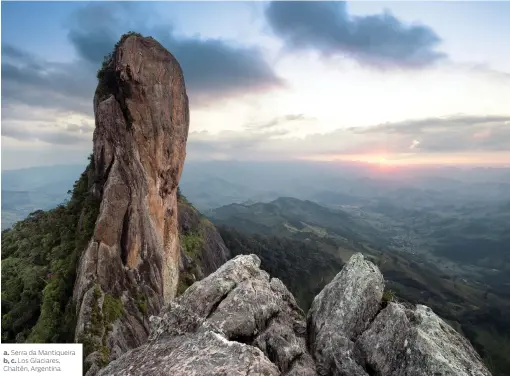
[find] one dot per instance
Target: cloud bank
(381, 41)
(213, 69)
(456, 134)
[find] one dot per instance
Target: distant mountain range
(27, 190)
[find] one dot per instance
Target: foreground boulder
(415, 341)
(351, 334)
(341, 312)
(239, 321)
(130, 268)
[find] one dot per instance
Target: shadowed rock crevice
(124, 238)
(218, 302)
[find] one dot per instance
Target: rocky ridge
(240, 321)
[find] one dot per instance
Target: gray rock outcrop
(341, 312)
(415, 341)
(239, 321)
(351, 334)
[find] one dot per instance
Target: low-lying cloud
(427, 136)
(277, 121)
(71, 134)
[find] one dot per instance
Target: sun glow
(382, 160)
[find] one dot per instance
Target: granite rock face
(419, 343)
(130, 268)
(147, 248)
(239, 321)
(341, 312)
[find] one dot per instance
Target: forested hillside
(39, 259)
(301, 265)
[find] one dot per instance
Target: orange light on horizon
(401, 160)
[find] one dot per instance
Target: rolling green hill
(298, 219)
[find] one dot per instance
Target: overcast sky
(400, 82)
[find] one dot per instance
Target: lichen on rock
(415, 341)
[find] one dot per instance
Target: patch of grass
(192, 244)
(388, 296)
(100, 324)
(104, 353)
(142, 303)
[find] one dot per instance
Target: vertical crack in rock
(124, 239)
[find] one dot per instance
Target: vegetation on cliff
(39, 259)
(106, 73)
(105, 310)
(202, 249)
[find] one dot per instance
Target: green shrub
(142, 303)
(192, 244)
(388, 296)
(112, 309)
